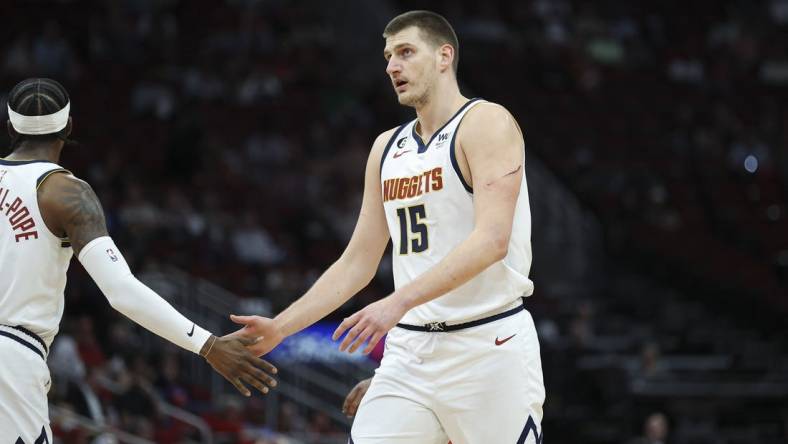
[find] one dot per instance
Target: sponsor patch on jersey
(442, 138)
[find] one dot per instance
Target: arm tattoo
(83, 218)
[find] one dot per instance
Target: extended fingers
(373, 342)
(265, 365)
(239, 385)
(259, 374)
(256, 383)
(346, 323)
(359, 341)
(351, 336)
(242, 320)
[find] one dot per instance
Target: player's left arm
(493, 146)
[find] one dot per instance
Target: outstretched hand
(231, 359)
(263, 331)
(370, 323)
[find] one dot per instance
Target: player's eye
(406, 52)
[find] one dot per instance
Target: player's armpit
(70, 207)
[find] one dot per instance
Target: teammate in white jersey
(47, 214)
(448, 188)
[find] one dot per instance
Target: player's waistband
(25, 337)
(439, 327)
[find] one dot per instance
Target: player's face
(412, 66)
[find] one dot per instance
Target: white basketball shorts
(24, 383)
(480, 385)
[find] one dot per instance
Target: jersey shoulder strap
(391, 142)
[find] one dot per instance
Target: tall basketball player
(462, 358)
(47, 213)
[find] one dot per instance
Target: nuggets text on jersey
(408, 187)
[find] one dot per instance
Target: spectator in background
(89, 348)
(253, 244)
(137, 403)
(64, 360)
(581, 329)
(655, 430)
(169, 382)
(52, 54)
(651, 366)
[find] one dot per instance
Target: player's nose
(393, 66)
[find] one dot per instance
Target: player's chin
(405, 98)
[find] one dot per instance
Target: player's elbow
(118, 293)
(500, 247)
(358, 269)
(497, 244)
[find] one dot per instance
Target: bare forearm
(467, 260)
(337, 284)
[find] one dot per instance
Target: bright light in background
(751, 163)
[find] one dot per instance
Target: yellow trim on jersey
(46, 176)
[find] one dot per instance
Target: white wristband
(103, 261)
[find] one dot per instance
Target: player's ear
(446, 57)
(68, 128)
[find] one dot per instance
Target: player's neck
(48, 152)
(438, 110)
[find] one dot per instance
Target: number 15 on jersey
(412, 229)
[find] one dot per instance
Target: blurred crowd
(120, 385)
(229, 139)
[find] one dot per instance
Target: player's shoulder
(385, 138)
(62, 179)
(488, 119)
(56, 187)
(486, 112)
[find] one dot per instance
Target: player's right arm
(71, 208)
(344, 278)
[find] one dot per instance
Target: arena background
(227, 139)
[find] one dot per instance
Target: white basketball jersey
(429, 210)
(33, 260)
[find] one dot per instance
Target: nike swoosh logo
(191, 333)
(401, 153)
(501, 341)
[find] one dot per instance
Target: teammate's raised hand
(263, 331)
(370, 323)
(231, 359)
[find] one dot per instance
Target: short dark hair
(38, 97)
(433, 27)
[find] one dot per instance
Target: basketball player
(462, 358)
(47, 213)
